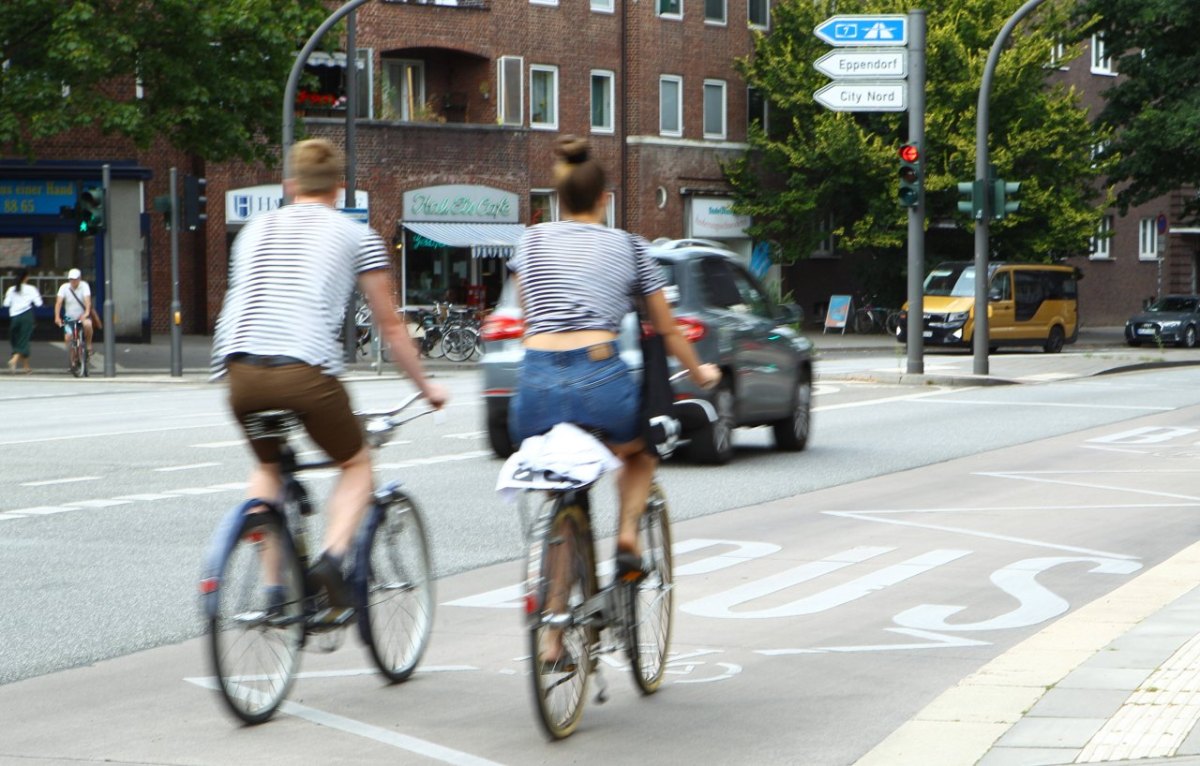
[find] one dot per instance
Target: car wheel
(791, 433)
(1188, 340)
(497, 430)
(1054, 342)
(714, 442)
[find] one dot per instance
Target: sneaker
(324, 576)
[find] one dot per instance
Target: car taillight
(692, 329)
(502, 328)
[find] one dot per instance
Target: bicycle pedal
(330, 617)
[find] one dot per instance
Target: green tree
(813, 165)
(1153, 109)
(212, 73)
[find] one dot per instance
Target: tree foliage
(1153, 109)
(212, 73)
(813, 165)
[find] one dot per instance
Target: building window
(510, 106)
(543, 96)
(714, 109)
(602, 6)
(364, 79)
(1148, 239)
(602, 101)
(1058, 53)
(826, 247)
(1098, 152)
(670, 105)
(760, 13)
(1101, 62)
(543, 206)
(403, 89)
(714, 11)
(756, 109)
(671, 9)
(543, 2)
(1102, 239)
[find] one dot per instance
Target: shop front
(455, 240)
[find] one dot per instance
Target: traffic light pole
(980, 340)
(916, 213)
(110, 343)
(176, 307)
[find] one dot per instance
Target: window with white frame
(543, 206)
(610, 210)
(403, 89)
(756, 108)
(714, 109)
(602, 101)
(670, 105)
(1058, 53)
(1102, 239)
(365, 82)
(1098, 151)
(760, 13)
(1148, 239)
(510, 103)
(543, 2)
(825, 248)
(671, 9)
(543, 96)
(1101, 62)
(602, 6)
(714, 12)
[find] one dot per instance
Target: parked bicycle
(260, 608)
(78, 360)
(871, 318)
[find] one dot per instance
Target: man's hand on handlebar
(706, 375)
(436, 395)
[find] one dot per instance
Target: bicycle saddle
(272, 424)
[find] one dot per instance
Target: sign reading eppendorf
(861, 96)
(869, 63)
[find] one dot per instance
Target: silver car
(731, 321)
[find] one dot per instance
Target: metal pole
(110, 343)
(176, 308)
(980, 341)
(916, 215)
(349, 326)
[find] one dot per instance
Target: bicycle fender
(360, 573)
(224, 537)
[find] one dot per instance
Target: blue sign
(357, 213)
(864, 30)
(41, 197)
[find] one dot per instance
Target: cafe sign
(714, 217)
(461, 203)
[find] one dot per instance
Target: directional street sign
(862, 96)
(868, 63)
(877, 31)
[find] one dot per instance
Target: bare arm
(58, 310)
(377, 288)
(663, 321)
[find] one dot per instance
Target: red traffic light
(910, 153)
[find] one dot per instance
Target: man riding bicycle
(293, 270)
(74, 304)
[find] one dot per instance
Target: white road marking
(185, 467)
(465, 435)
(888, 399)
(147, 496)
(1067, 405)
(1024, 476)
(220, 445)
(99, 503)
(41, 510)
(48, 482)
(9, 516)
(67, 437)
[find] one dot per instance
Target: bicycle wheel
(257, 631)
(892, 322)
(74, 359)
(557, 587)
(459, 344)
(650, 608)
(863, 321)
(398, 592)
(434, 346)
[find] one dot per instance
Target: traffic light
(910, 175)
(195, 204)
(971, 198)
(1002, 191)
(89, 211)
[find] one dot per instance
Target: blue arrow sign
(864, 30)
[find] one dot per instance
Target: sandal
(630, 568)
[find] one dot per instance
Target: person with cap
(20, 300)
(74, 303)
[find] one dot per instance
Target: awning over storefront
(486, 240)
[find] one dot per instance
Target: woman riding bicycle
(577, 278)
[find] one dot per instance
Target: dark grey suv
(732, 322)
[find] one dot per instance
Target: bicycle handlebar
(379, 425)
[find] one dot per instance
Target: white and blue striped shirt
(291, 274)
(581, 276)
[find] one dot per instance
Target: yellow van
(1029, 304)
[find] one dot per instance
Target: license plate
(1145, 331)
(928, 333)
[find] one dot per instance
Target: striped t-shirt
(291, 274)
(581, 276)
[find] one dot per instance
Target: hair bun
(572, 149)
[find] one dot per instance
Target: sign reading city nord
(864, 30)
(868, 63)
(862, 96)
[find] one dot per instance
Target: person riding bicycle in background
(292, 273)
(577, 278)
(74, 303)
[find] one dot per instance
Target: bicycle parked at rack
(871, 318)
(78, 360)
(260, 608)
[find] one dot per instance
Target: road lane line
(890, 399)
(104, 503)
(1069, 405)
(185, 467)
(48, 482)
(41, 510)
(219, 445)
(66, 437)
(147, 496)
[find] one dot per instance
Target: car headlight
(1170, 324)
(958, 316)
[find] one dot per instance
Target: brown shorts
(319, 399)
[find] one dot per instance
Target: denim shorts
(570, 387)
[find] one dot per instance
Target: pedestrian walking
(20, 300)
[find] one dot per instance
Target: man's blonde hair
(317, 166)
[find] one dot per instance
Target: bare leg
(265, 484)
(348, 503)
(633, 485)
